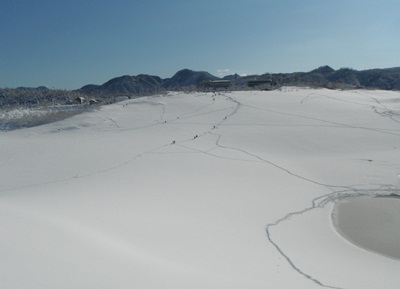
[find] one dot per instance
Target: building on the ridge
(261, 84)
(217, 84)
(80, 100)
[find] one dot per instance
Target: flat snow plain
(199, 191)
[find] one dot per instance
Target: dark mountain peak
(42, 88)
(231, 77)
(126, 84)
(89, 87)
(346, 75)
(149, 78)
(324, 70)
(187, 77)
(184, 74)
(119, 79)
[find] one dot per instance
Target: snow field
(198, 190)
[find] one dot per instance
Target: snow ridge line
(274, 164)
(113, 121)
(324, 121)
(163, 109)
(318, 202)
(386, 112)
(88, 174)
(238, 105)
(295, 267)
(288, 216)
(321, 202)
(121, 164)
(191, 113)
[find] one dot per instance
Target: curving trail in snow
(199, 190)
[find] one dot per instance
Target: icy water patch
(16, 118)
(372, 223)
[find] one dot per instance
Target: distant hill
(387, 79)
(126, 85)
(324, 76)
(147, 84)
(344, 78)
(186, 79)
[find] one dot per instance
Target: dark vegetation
(346, 78)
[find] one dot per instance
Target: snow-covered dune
(199, 191)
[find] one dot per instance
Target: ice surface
(372, 223)
(199, 190)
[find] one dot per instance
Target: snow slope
(233, 190)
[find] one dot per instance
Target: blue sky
(69, 43)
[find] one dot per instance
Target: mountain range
(324, 76)
(190, 80)
(147, 84)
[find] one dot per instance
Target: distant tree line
(32, 97)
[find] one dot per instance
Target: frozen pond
(372, 223)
